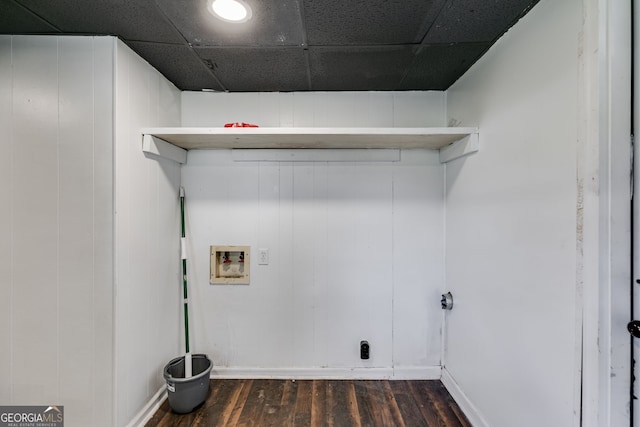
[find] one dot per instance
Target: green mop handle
(183, 245)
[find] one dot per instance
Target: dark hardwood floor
(338, 403)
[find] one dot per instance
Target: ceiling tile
(368, 22)
(438, 67)
(14, 19)
(139, 20)
(288, 45)
(476, 20)
(357, 68)
(178, 64)
(272, 24)
(260, 70)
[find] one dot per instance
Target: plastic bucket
(185, 394)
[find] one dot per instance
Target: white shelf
(198, 138)
(211, 138)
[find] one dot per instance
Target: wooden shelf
(212, 138)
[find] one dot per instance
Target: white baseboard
(407, 373)
(475, 417)
(150, 408)
(417, 373)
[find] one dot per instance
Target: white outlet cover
(263, 256)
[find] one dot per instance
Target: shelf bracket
(153, 147)
(463, 147)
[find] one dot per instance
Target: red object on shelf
(240, 125)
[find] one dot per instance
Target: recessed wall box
(230, 265)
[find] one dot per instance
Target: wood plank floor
(337, 403)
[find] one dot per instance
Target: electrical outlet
(364, 349)
(263, 256)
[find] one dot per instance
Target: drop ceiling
(287, 45)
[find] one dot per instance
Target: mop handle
(183, 247)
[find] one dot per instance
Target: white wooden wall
(69, 136)
(511, 342)
(315, 109)
(56, 299)
(356, 249)
(147, 233)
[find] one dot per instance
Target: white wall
(57, 228)
(511, 226)
(147, 233)
(356, 249)
(56, 298)
(609, 65)
(315, 109)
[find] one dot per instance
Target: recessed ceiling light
(230, 10)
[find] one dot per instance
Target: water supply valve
(447, 301)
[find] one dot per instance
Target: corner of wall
(463, 401)
(146, 235)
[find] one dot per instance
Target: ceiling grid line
(35, 15)
(305, 46)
